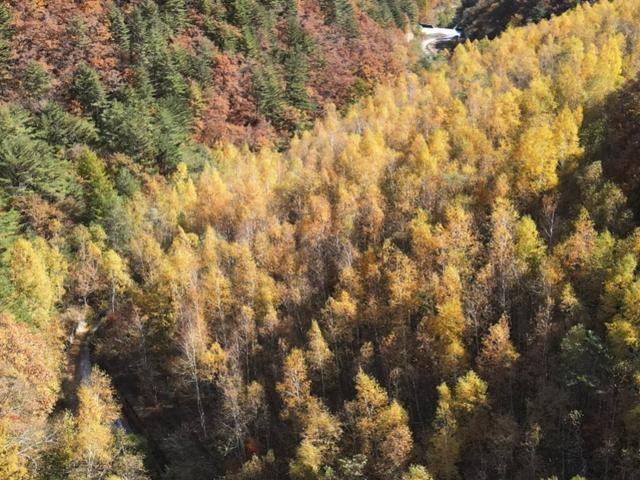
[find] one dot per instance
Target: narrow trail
(77, 367)
(77, 371)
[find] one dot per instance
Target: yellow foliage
(537, 158)
(96, 413)
(498, 354)
(623, 337)
(381, 215)
(339, 314)
(37, 274)
(214, 361)
(528, 245)
(295, 387)
(417, 472)
(446, 328)
(29, 364)
(444, 446)
(12, 466)
(318, 352)
(471, 392)
(381, 426)
(307, 462)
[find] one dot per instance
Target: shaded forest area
(439, 281)
(480, 18)
(619, 118)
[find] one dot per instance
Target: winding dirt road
(432, 36)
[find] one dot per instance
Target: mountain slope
(245, 68)
(439, 281)
(620, 140)
(480, 18)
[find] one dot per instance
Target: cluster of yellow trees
(420, 288)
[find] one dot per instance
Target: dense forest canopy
(436, 282)
(232, 70)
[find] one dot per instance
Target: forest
(480, 18)
(267, 239)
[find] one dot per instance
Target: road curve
(434, 35)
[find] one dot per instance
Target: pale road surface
(433, 36)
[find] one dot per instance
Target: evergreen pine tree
(296, 67)
(250, 41)
(99, 194)
(5, 48)
(163, 66)
(327, 7)
(269, 93)
(345, 19)
(128, 127)
(296, 76)
(61, 128)
(137, 36)
(143, 86)
(205, 6)
(381, 13)
(78, 34)
(119, 30)
(241, 13)
(27, 164)
(410, 9)
(168, 79)
(172, 126)
(6, 29)
(9, 227)
(36, 81)
(175, 14)
(86, 87)
(401, 11)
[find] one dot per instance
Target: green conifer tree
(6, 32)
(86, 87)
(172, 127)
(119, 30)
(27, 164)
(345, 18)
(99, 194)
(36, 81)
(61, 128)
(296, 76)
(128, 127)
(78, 33)
(269, 93)
(175, 14)
(9, 226)
(296, 65)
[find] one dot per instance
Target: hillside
(245, 71)
(438, 281)
(617, 138)
(480, 18)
